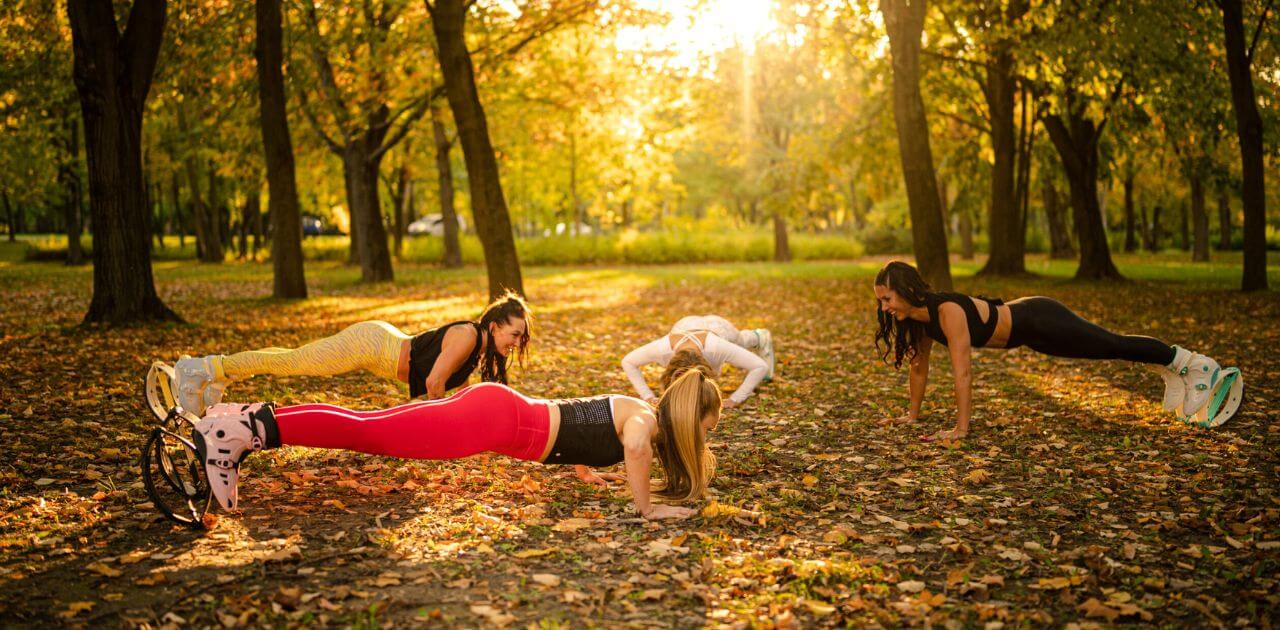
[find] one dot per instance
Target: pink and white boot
(225, 436)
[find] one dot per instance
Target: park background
(210, 176)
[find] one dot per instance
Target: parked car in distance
(433, 224)
(312, 226)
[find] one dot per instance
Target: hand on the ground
(729, 403)
(600, 479)
(669, 511)
(952, 435)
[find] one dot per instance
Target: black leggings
(1048, 326)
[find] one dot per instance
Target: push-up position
(488, 417)
(712, 341)
(912, 317)
(432, 362)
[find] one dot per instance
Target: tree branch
(1262, 20)
(396, 136)
(315, 124)
(140, 45)
(328, 85)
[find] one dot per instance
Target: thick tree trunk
(1061, 235)
(1004, 223)
(69, 177)
(1199, 221)
(444, 175)
(360, 164)
(781, 246)
(113, 73)
(1130, 231)
(488, 207)
(1224, 217)
(1076, 139)
(904, 21)
(1249, 131)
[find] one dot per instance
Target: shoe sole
(158, 389)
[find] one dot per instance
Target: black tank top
(424, 349)
(587, 434)
(979, 332)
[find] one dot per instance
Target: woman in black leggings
(912, 317)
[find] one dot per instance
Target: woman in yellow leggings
(432, 362)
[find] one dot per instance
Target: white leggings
(720, 326)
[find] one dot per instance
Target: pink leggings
(483, 417)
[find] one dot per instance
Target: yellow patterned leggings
(373, 346)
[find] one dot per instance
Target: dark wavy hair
(493, 367)
(902, 338)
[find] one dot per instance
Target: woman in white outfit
(714, 339)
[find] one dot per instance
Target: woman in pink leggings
(489, 417)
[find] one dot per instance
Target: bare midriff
(402, 365)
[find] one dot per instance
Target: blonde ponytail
(682, 447)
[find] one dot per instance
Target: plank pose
(912, 317)
(432, 362)
(488, 417)
(715, 341)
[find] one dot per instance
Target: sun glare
(701, 27)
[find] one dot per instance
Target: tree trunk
(1224, 217)
(965, 227)
(488, 207)
(252, 210)
(904, 21)
(1130, 232)
(289, 277)
(69, 176)
(1186, 226)
(1249, 131)
(1061, 236)
(401, 191)
(1076, 139)
(444, 174)
(113, 73)
(219, 237)
(179, 224)
(8, 215)
(781, 246)
(1199, 220)
(1153, 230)
(361, 161)
(1004, 225)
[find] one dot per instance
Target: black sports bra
(425, 349)
(587, 434)
(979, 331)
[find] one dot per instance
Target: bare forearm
(964, 398)
(919, 378)
(638, 464)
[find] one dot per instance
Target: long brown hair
(493, 367)
(683, 361)
(681, 444)
(902, 338)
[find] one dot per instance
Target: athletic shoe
(1199, 376)
(1228, 391)
(227, 435)
(766, 351)
(1175, 390)
(191, 377)
(158, 388)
